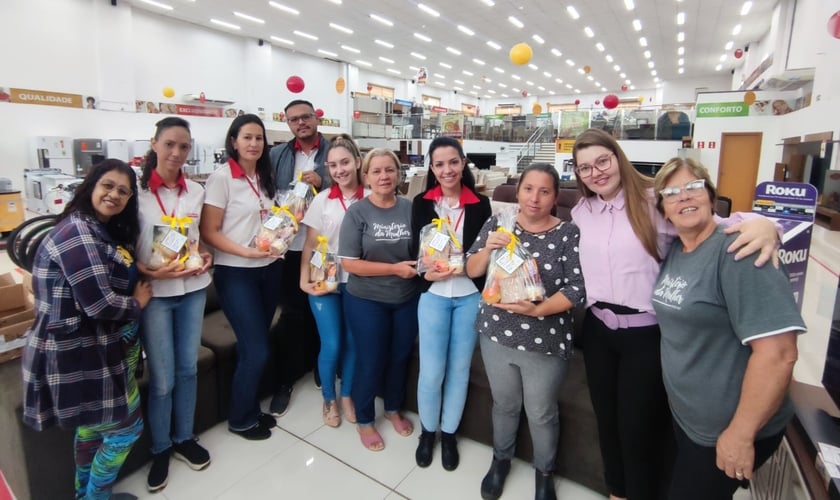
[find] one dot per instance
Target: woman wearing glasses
(622, 242)
(728, 344)
(78, 365)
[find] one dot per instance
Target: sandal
(403, 426)
(331, 417)
(370, 438)
(348, 409)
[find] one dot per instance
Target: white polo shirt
(184, 200)
(242, 199)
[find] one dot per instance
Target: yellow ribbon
(300, 179)
(322, 247)
(513, 239)
(174, 222)
(285, 208)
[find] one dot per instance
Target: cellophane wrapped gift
(298, 198)
(440, 249)
(277, 231)
(324, 263)
(172, 241)
(512, 274)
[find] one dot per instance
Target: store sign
(192, 110)
(565, 145)
(722, 109)
(439, 109)
(45, 98)
(792, 205)
(403, 102)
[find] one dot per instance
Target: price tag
(174, 241)
(439, 242)
(301, 189)
(509, 262)
(272, 223)
(316, 260)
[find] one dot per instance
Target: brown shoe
(331, 416)
(348, 409)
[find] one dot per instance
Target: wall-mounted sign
(722, 109)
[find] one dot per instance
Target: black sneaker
(266, 420)
(255, 433)
(317, 378)
(192, 453)
(159, 473)
(280, 402)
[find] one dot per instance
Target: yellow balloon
(536, 108)
(168, 92)
(340, 85)
(641, 99)
(749, 97)
(521, 53)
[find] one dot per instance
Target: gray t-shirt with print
(709, 308)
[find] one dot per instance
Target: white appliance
(48, 190)
(54, 152)
(139, 148)
(117, 148)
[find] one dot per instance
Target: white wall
(684, 90)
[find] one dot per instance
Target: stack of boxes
(16, 315)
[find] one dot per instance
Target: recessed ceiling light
(718, 67)
(447, 66)
(573, 12)
(459, 82)
(653, 72)
(423, 37)
(623, 75)
(590, 77)
(680, 50)
(351, 49)
(394, 71)
(502, 85)
(541, 87)
(305, 35)
(489, 3)
(468, 73)
(516, 77)
(224, 24)
(284, 8)
(628, 82)
(384, 44)
(723, 58)
(637, 25)
(428, 10)
(418, 56)
(680, 70)
(249, 18)
(157, 4)
(341, 28)
(568, 86)
(646, 54)
(282, 40)
(476, 87)
(651, 64)
(570, 62)
(643, 41)
(581, 71)
(681, 36)
(453, 51)
(556, 52)
(363, 63)
(493, 45)
(600, 47)
(617, 68)
(438, 75)
(736, 29)
(457, 88)
(680, 18)
(533, 66)
(558, 80)
(547, 74)
(465, 30)
(588, 31)
(538, 39)
(516, 22)
(729, 45)
(745, 9)
(498, 70)
(478, 61)
(577, 91)
(680, 61)
(514, 89)
(529, 83)
(385, 59)
(327, 53)
(632, 87)
(551, 92)
(609, 58)
(381, 19)
(629, 4)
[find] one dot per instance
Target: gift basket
(324, 264)
(512, 274)
(175, 240)
(277, 231)
(440, 249)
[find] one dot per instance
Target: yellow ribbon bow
(174, 222)
(513, 239)
(300, 179)
(285, 208)
(322, 248)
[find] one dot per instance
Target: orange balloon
(749, 97)
(521, 53)
(340, 85)
(536, 108)
(587, 69)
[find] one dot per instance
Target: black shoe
(192, 453)
(544, 486)
(159, 473)
(255, 433)
(266, 420)
(449, 451)
(317, 377)
(425, 448)
(280, 402)
(494, 482)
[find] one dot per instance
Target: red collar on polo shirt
(467, 196)
(236, 170)
(156, 181)
(335, 192)
(298, 147)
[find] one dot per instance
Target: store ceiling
(708, 28)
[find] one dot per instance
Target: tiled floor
(305, 459)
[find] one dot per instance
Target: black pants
(696, 476)
(297, 343)
(624, 373)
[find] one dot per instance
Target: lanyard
(170, 218)
(254, 189)
(460, 217)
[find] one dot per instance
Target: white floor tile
(304, 414)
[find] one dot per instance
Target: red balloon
(319, 113)
(577, 101)
(369, 87)
(738, 53)
(624, 87)
(611, 101)
(834, 25)
(202, 98)
(597, 102)
(295, 84)
(524, 93)
(357, 114)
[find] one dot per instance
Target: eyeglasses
(602, 164)
(110, 187)
(692, 190)
(301, 118)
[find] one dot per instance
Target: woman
(728, 344)
(380, 306)
(344, 163)
(239, 196)
(78, 365)
(525, 345)
(171, 326)
(447, 309)
(622, 241)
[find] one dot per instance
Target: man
(302, 159)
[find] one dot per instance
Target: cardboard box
(17, 314)
(12, 294)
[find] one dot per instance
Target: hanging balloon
(369, 87)
(597, 102)
(340, 85)
(641, 99)
(357, 114)
(610, 101)
(536, 108)
(739, 53)
(834, 25)
(577, 102)
(202, 98)
(282, 116)
(319, 113)
(587, 69)
(749, 97)
(295, 84)
(524, 93)
(521, 53)
(168, 92)
(624, 87)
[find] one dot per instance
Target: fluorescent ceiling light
(653, 72)
(491, 91)
(723, 58)
(457, 88)
(516, 77)
(337, 2)
(476, 87)
(629, 4)
(381, 19)
(568, 86)
(556, 52)
(249, 18)
(414, 68)
(680, 50)
(428, 10)
(478, 61)
(441, 84)
(493, 45)
(489, 3)
(459, 82)
(305, 35)
(453, 51)
(573, 12)
(514, 89)
(745, 9)
(418, 56)
(577, 91)
(447, 66)
(327, 53)
(616, 67)
(157, 4)
(681, 36)
(681, 70)
(341, 28)
(609, 58)
(651, 64)
(516, 22)
(438, 75)
(473, 92)
(224, 24)
(468, 73)
(637, 25)
(581, 71)
(736, 29)
(729, 45)
(547, 74)
(385, 59)
(351, 49)
(588, 31)
(529, 83)
(628, 82)
(590, 78)
(533, 66)
(558, 80)
(363, 63)
(284, 8)
(541, 87)
(647, 54)
(551, 92)
(538, 39)
(681, 18)
(502, 85)
(465, 30)
(600, 47)
(423, 37)
(384, 44)
(282, 40)
(486, 79)
(680, 61)
(394, 71)
(570, 62)
(498, 70)
(718, 67)
(643, 41)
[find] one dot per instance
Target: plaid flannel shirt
(75, 370)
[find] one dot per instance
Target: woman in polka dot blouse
(525, 345)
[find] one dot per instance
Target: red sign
(701, 144)
(189, 109)
(438, 109)
(712, 144)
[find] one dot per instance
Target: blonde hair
(346, 141)
(671, 167)
(377, 152)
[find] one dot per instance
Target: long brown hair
(635, 185)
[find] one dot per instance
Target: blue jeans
(384, 336)
(447, 340)
(336, 342)
(248, 296)
(171, 334)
